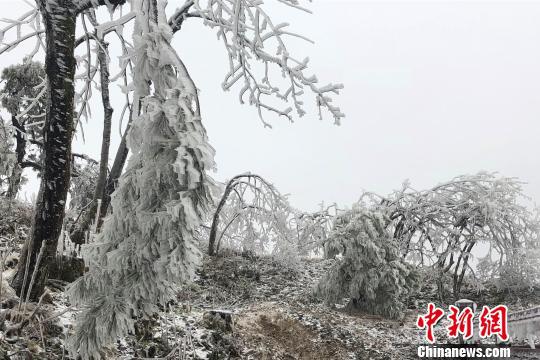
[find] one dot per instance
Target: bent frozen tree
(252, 216)
(147, 248)
(440, 227)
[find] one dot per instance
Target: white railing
(525, 325)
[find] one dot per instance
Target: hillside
(240, 307)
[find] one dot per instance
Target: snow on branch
(83, 5)
(252, 39)
(31, 20)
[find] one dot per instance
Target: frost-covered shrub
(369, 270)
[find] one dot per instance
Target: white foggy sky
(433, 90)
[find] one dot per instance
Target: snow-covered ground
(246, 307)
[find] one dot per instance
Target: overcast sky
(433, 90)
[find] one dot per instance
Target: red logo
(429, 320)
(461, 323)
(492, 321)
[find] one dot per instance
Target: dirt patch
(271, 334)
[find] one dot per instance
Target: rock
(218, 320)
(11, 261)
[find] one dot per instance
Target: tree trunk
(78, 233)
(60, 20)
(458, 276)
(20, 151)
(116, 171)
(107, 122)
(215, 219)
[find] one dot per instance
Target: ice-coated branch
(32, 20)
(256, 47)
(176, 21)
(106, 28)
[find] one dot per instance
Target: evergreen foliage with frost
(146, 248)
(8, 159)
(369, 269)
(24, 91)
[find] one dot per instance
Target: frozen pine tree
(147, 247)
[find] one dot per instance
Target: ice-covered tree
(252, 215)
(168, 141)
(369, 269)
(440, 227)
(311, 230)
(146, 247)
